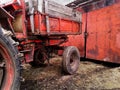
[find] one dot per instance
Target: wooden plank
(47, 17)
(61, 11)
(40, 6)
(62, 16)
(56, 10)
(59, 8)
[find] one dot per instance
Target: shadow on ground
(92, 75)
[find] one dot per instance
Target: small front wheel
(71, 59)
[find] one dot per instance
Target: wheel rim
(73, 58)
(6, 69)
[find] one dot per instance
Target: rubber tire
(13, 60)
(38, 58)
(67, 54)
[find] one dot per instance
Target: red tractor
(30, 31)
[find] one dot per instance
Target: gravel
(90, 76)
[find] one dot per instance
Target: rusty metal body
(32, 31)
(39, 24)
(42, 27)
(100, 39)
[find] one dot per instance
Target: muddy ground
(90, 76)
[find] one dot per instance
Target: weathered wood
(57, 10)
(47, 17)
(39, 5)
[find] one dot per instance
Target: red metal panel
(103, 41)
(56, 25)
(22, 33)
(78, 40)
(104, 34)
(40, 24)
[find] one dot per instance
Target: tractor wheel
(9, 62)
(71, 60)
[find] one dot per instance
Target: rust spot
(114, 56)
(93, 51)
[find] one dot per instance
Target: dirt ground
(90, 76)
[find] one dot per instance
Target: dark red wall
(103, 41)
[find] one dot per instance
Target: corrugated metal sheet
(89, 5)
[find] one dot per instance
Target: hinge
(85, 34)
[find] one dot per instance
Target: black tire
(9, 55)
(71, 60)
(39, 58)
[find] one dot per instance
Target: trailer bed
(51, 18)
